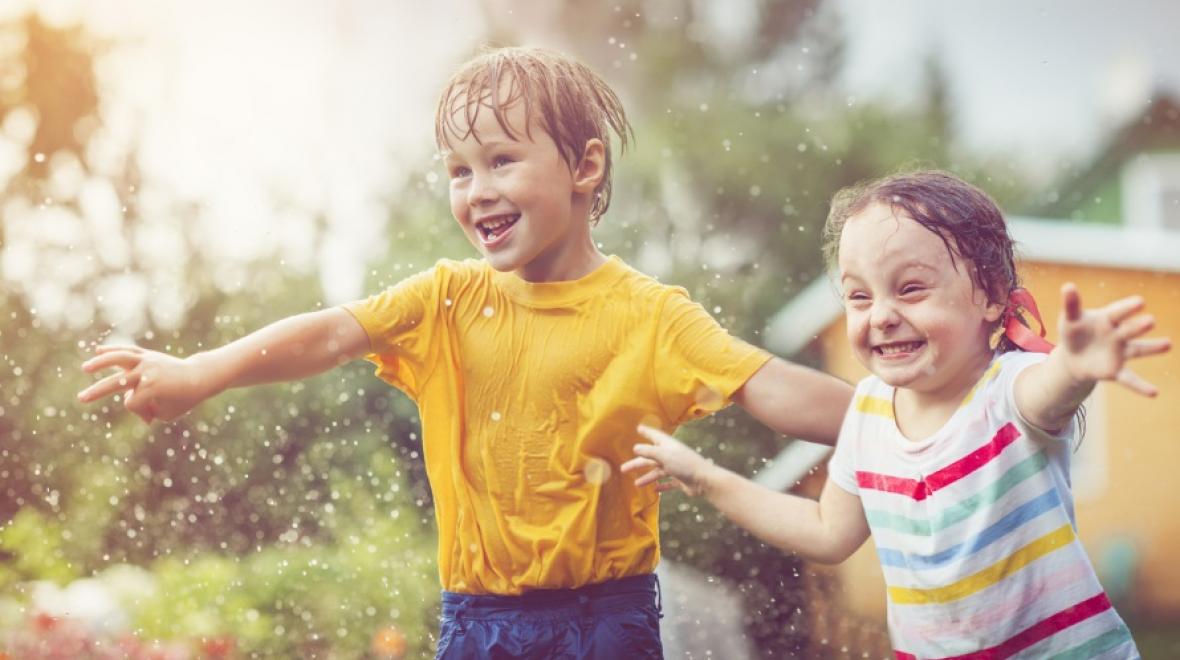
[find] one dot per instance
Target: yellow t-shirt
(529, 396)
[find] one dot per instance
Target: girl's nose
(883, 315)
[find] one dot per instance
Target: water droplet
(597, 471)
(707, 397)
(496, 415)
(39, 157)
(488, 311)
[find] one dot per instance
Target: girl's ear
(994, 311)
(588, 175)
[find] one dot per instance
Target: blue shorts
(616, 619)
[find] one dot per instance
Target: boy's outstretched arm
(1096, 344)
(796, 401)
(826, 531)
(161, 386)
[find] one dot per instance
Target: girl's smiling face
(914, 317)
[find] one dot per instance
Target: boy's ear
(590, 170)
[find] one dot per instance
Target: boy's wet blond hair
(564, 97)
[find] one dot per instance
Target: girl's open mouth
(898, 349)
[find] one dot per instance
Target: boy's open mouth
(898, 348)
(492, 228)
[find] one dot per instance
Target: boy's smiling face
(520, 204)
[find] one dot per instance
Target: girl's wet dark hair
(967, 220)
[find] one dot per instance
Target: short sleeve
(1011, 366)
(698, 364)
(394, 320)
(842, 466)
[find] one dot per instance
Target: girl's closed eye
(857, 298)
(912, 290)
(459, 172)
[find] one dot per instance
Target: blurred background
(180, 174)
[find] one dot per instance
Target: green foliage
(297, 517)
(31, 548)
(301, 599)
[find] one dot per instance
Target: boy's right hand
(671, 463)
(156, 385)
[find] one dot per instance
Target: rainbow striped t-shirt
(974, 527)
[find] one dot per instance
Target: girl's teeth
(899, 348)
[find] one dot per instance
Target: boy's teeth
(491, 227)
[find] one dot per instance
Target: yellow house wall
(1141, 498)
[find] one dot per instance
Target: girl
(954, 454)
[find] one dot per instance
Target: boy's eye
(500, 161)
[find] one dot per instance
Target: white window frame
(1144, 180)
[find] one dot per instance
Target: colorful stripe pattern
(974, 530)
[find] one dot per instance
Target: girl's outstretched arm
(160, 386)
(826, 531)
(1096, 344)
(796, 401)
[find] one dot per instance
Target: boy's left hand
(1097, 343)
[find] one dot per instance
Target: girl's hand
(155, 385)
(671, 463)
(1097, 343)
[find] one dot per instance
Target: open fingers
(639, 462)
(143, 407)
(108, 386)
(652, 433)
(1135, 383)
(1144, 347)
(107, 348)
(1119, 310)
(1071, 301)
(652, 476)
(1136, 326)
(125, 359)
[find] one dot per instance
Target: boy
(531, 368)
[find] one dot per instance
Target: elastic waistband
(646, 586)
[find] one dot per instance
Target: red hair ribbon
(1019, 299)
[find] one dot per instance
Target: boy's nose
(481, 191)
